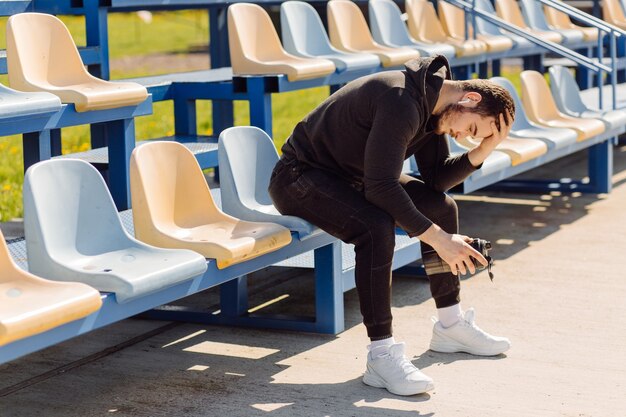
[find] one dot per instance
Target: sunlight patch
(270, 406)
(182, 339)
(228, 349)
(198, 368)
(389, 404)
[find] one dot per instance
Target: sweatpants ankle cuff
(448, 300)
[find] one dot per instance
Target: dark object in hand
(433, 264)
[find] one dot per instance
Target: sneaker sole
(373, 381)
(452, 347)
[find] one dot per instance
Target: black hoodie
(365, 131)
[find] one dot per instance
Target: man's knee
(373, 224)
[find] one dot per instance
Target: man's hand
(454, 249)
(479, 153)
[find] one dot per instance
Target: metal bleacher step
(203, 147)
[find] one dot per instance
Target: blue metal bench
(334, 274)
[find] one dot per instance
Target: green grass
(175, 33)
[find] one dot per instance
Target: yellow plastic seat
(255, 48)
(173, 208)
(30, 305)
(453, 22)
(559, 20)
(348, 31)
(520, 150)
(510, 11)
(541, 108)
(613, 13)
(42, 56)
(424, 25)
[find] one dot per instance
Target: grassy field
(170, 36)
(174, 33)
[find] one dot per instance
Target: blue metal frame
(40, 137)
(331, 282)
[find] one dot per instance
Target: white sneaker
(466, 336)
(396, 373)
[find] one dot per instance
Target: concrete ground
(558, 294)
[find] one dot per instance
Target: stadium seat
(247, 157)
(453, 22)
(389, 29)
(15, 103)
(519, 150)
(424, 25)
(30, 305)
(613, 13)
(509, 11)
(42, 56)
(567, 97)
(74, 233)
(304, 36)
(553, 137)
(533, 10)
(255, 48)
(496, 161)
(349, 32)
(486, 27)
(559, 20)
(173, 208)
(542, 109)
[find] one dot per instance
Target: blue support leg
(56, 147)
(36, 147)
(601, 166)
(496, 68)
(329, 310)
(98, 135)
(121, 135)
(234, 297)
(260, 105)
(185, 117)
(98, 36)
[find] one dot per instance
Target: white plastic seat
(15, 103)
(42, 56)
(74, 233)
(533, 11)
(247, 157)
(30, 305)
(486, 27)
(349, 32)
(389, 29)
(554, 137)
(567, 97)
(304, 36)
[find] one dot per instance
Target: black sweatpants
(340, 209)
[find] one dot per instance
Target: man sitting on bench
(341, 170)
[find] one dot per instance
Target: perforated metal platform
(204, 145)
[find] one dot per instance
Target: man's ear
(470, 99)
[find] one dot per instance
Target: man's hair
(495, 99)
